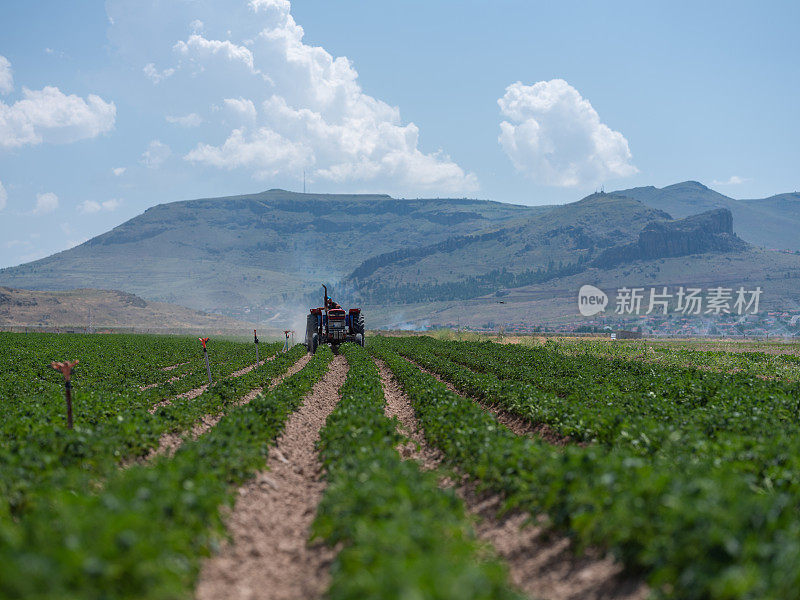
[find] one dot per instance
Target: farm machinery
(330, 324)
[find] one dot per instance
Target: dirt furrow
(268, 556)
(518, 425)
(541, 563)
(173, 367)
(192, 394)
(170, 442)
(143, 388)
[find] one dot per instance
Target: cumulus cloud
(6, 77)
(3, 196)
(734, 180)
(554, 135)
(241, 107)
(45, 203)
(90, 206)
(190, 120)
(48, 115)
(199, 49)
(155, 155)
(119, 171)
(312, 114)
(155, 75)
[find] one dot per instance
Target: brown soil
(269, 556)
(518, 425)
(192, 394)
(541, 563)
(143, 388)
(172, 367)
(170, 442)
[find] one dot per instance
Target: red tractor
(330, 324)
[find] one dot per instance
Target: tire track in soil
(541, 563)
(268, 556)
(170, 442)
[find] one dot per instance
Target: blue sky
(109, 108)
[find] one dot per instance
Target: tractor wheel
(358, 327)
(360, 339)
(314, 343)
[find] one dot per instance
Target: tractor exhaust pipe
(325, 308)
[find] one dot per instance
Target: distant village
(784, 324)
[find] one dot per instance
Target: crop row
(402, 536)
(779, 362)
(144, 533)
(34, 459)
(108, 363)
(744, 422)
(694, 526)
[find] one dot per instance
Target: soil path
(518, 425)
(173, 367)
(269, 556)
(192, 394)
(170, 442)
(541, 563)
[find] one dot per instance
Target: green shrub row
(694, 528)
(144, 533)
(402, 536)
(731, 421)
(31, 462)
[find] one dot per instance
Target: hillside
(770, 222)
(555, 301)
(78, 309)
(602, 230)
(255, 251)
(262, 257)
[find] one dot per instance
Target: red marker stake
(66, 371)
(205, 354)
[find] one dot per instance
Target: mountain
(255, 251)
(770, 222)
(558, 242)
(80, 309)
(262, 257)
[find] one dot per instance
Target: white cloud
(6, 77)
(197, 26)
(242, 107)
(48, 115)
(45, 203)
(734, 180)
(554, 136)
(3, 196)
(264, 152)
(90, 206)
(155, 75)
(312, 114)
(190, 120)
(155, 155)
(278, 5)
(119, 171)
(199, 49)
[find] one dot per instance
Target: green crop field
(663, 469)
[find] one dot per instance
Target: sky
(108, 108)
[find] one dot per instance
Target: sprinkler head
(65, 368)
